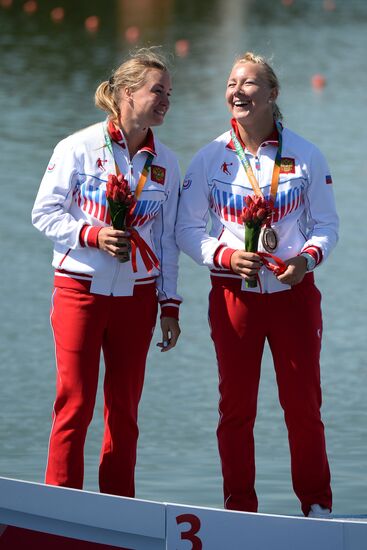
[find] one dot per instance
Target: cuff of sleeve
(315, 252)
(88, 236)
(170, 308)
(222, 256)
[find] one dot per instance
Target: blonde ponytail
(104, 99)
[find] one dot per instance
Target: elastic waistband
(235, 281)
(82, 282)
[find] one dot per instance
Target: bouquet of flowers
(120, 201)
(255, 214)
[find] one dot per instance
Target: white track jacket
(72, 195)
(214, 190)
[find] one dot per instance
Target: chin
(157, 121)
(242, 118)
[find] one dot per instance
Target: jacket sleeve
(193, 215)
(323, 221)
(166, 247)
(50, 213)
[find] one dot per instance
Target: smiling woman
(98, 284)
(251, 95)
(284, 182)
(137, 96)
(145, 106)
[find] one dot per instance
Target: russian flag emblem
(328, 179)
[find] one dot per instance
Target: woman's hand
(296, 270)
(170, 333)
(113, 241)
(246, 264)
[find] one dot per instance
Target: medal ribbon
(249, 172)
(112, 131)
(149, 258)
(278, 267)
(137, 242)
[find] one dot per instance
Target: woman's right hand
(246, 264)
(114, 241)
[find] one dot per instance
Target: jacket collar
(118, 137)
(270, 140)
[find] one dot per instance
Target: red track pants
(122, 327)
(291, 322)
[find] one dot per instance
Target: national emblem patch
(287, 165)
(158, 174)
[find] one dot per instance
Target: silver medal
(269, 239)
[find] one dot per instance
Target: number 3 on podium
(190, 535)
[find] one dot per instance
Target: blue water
(48, 77)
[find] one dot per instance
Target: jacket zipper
(257, 164)
(263, 274)
(117, 269)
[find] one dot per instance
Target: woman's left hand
(296, 270)
(170, 333)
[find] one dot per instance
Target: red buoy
(318, 81)
(92, 23)
(132, 34)
(182, 47)
(6, 3)
(57, 15)
(329, 5)
(30, 7)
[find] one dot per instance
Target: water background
(48, 76)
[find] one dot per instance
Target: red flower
(248, 200)
(261, 214)
(254, 215)
(118, 190)
(246, 215)
(257, 211)
(120, 199)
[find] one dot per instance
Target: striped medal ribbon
(247, 166)
(144, 172)
(269, 236)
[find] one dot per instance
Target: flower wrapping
(120, 202)
(255, 214)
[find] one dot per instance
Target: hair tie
(111, 81)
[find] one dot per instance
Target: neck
(254, 136)
(134, 134)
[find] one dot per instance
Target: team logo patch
(158, 174)
(51, 166)
(100, 164)
(225, 168)
(187, 183)
(287, 165)
(328, 179)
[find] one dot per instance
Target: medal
(269, 239)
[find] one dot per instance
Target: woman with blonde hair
(260, 178)
(109, 280)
